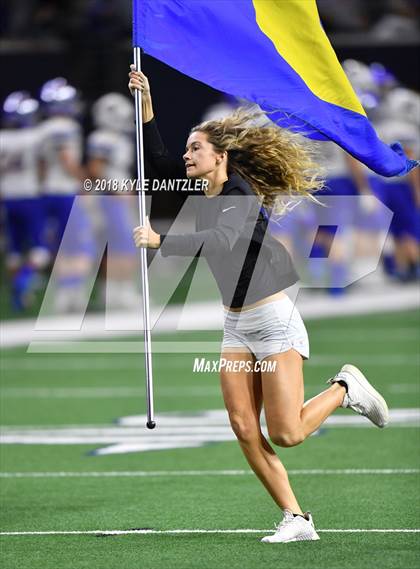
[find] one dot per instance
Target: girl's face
(200, 157)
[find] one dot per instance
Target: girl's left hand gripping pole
(143, 251)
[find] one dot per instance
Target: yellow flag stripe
(294, 28)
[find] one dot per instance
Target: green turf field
(64, 488)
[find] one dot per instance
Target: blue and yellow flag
(274, 53)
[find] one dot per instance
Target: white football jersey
(19, 162)
(116, 149)
(58, 133)
(333, 159)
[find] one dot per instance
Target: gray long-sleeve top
(247, 263)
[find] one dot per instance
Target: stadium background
(61, 412)
(89, 43)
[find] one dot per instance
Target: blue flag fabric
(275, 54)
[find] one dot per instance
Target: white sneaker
(293, 528)
(361, 396)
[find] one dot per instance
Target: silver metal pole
(143, 251)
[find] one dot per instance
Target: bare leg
(289, 420)
(243, 399)
(320, 407)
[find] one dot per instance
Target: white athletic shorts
(265, 330)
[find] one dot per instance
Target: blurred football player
(383, 78)
(20, 195)
(70, 231)
(110, 151)
(400, 120)
(359, 218)
(62, 148)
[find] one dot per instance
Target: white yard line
(67, 363)
(105, 392)
(373, 335)
(128, 392)
(366, 359)
(195, 531)
(200, 349)
(176, 430)
(158, 473)
(70, 364)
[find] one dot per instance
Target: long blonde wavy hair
(276, 162)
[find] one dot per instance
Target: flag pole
(143, 251)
